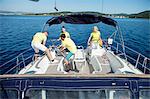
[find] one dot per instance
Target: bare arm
(59, 39)
(62, 48)
(44, 41)
(68, 35)
(89, 40)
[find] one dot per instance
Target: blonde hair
(95, 27)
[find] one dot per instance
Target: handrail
(117, 50)
(18, 64)
(15, 57)
(137, 61)
(132, 50)
(23, 60)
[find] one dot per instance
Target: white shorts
(38, 46)
(94, 45)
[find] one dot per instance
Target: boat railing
(138, 60)
(14, 65)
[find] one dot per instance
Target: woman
(95, 38)
(63, 31)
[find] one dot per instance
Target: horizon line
(69, 11)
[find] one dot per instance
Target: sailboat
(106, 72)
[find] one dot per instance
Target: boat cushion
(100, 65)
(114, 62)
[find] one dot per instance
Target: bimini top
(81, 19)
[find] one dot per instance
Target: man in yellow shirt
(95, 38)
(70, 45)
(38, 43)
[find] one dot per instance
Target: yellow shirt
(39, 38)
(70, 45)
(66, 34)
(95, 36)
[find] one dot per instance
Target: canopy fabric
(81, 19)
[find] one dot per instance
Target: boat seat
(100, 65)
(99, 52)
(56, 68)
(52, 69)
(79, 57)
(114, 62)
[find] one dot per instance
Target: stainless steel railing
(17, 63)
(138, 60)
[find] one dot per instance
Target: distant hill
(11, 13)
(145, 14)
(64, 13)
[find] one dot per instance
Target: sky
(45, 6)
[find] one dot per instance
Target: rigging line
(122, 41)
(55, 3)
(55, 6)
(102, 6)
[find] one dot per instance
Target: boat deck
(79, 68)
(96, 64)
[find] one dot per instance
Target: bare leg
(49, 55)
(36, 56)
(66, 61)
(67, 58)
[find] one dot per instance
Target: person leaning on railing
(38, 43)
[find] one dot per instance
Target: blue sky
(109, 6)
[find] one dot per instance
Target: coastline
(144, 14)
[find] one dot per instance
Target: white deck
(96, 63)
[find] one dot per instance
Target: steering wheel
(55, 46)
(54, 41)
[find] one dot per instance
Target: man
(70, 45)
(38, 43)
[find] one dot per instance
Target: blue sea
(16, 33)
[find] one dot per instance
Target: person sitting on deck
(95, 38)
(38, 43)
(70, 45)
